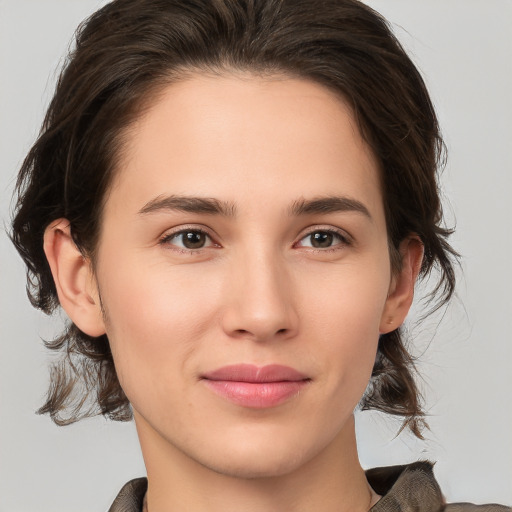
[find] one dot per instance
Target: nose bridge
(261, 295)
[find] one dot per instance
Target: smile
(256, 387)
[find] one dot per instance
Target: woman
(234, 200)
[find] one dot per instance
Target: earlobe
(401, 291)
(74, 279)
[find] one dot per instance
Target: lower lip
(256, 395)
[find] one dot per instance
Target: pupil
(321, 239)
(194, 240)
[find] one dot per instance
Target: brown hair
(129, 48)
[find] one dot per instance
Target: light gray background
(464, 48)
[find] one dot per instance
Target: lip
(256, 387)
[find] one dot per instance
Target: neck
(332, 481)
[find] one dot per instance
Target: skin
(257, 292)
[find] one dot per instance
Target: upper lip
(256, 374)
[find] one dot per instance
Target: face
(243, 271)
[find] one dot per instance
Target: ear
(401, 291)
(74, 279)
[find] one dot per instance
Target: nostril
(245, 332)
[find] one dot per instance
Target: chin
(263, 467)
(268, 459)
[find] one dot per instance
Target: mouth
(256, 387)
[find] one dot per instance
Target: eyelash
(344, 239)
(166, 239)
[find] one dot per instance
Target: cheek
(155, 320)
(346, 318)
(348, 300)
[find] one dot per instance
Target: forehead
(233, 136)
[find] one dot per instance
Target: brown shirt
(410, 488)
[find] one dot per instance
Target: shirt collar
(403, 489)
(406, 488)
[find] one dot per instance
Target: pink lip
(251, 386)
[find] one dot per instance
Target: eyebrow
(330, 204)
(189, 204)
(212, 206)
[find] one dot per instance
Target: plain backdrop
(464, 50)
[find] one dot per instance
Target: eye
(322, 239)
(189, 239)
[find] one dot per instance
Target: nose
(260, 300)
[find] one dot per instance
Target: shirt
(408, 488)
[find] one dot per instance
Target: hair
(130, 49)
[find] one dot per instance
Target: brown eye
(188, 239)
(193, 239)
(321, 239)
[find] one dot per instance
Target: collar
(407, 488)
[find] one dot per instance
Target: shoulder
(413, 487)
(468, 507)
(131, 496)
(403, 488)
